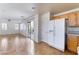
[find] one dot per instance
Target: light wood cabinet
(77, 18)
(57, 17)
(78, 40)
(72, 43)
(61, 16)
(72, 19)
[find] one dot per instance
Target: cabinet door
(78, 41)
(72, 21)
(78, 19)
(61, 16)
(72, 43)
(57, 17)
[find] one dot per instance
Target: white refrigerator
(56, 33)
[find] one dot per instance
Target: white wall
(36, 28)
(11, 26)
(43, 25)
(24, 32)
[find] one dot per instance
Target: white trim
(73, 10)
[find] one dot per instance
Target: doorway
(31, 29)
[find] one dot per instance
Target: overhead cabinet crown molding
(70, 11)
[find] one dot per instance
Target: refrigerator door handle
(51, 30)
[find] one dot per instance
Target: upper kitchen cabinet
(61, 16)
(55, 17)
(77, 18)
(72, 19)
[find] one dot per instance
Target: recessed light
(33, 7)
(9, 19)
(21, 16)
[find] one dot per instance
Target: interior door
(60, 34)
(51, 33)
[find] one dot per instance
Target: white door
(51, 33)
(60, 34)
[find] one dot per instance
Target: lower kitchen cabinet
(72, 43)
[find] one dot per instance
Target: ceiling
(57, 7)
(16, 10)
(24, 10)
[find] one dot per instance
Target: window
(22, 26)
(4, 26)
(16, 26)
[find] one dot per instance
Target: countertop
(74, 33)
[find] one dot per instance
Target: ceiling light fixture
(23, 17)
(33, 8)
(9, 20)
